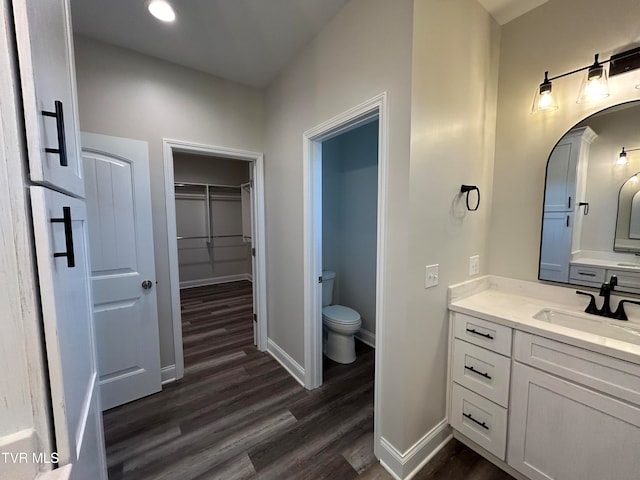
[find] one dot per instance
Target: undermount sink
(605, 327)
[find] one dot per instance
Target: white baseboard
(404, 466)
(215, 280)
(12, 467)
(365, 336)
(289, 364)
(168, 374)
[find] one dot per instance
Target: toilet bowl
(339, 323)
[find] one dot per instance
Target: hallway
(237, 414)
(237, 411)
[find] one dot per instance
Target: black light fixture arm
(617, 57)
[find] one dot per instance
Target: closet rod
(190, 184)
(212, 236)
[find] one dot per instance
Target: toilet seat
(340, 314)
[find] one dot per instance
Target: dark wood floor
(237, 414)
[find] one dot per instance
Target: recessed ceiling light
(162, 10)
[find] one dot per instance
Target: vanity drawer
(607, 374)
(483, 333)
(627, 281)
(479, 419)
(587, 275)
(482, 371)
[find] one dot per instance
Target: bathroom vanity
(540, 388)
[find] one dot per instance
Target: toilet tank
(327, 287)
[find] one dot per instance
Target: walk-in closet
(213, 219)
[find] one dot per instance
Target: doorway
(370, 111)
(203, 254)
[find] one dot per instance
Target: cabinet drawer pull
(482, 424)
(68, 236)
(587, 274)
(475, 332)
(485, 375)
(62, 145)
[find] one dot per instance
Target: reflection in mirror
(591, 212)
(628, 225)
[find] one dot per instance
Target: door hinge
(255, 318)
(253, 252)
(319, 279)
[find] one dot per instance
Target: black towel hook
(467, 189)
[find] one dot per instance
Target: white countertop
(610, 264)
(514, 303)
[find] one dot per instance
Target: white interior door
(118, 197)
(60, 227)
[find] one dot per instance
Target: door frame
(169, 146)
(376, 107)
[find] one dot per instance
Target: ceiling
(506, 10)
(246, 41)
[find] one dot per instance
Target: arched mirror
(591, 211)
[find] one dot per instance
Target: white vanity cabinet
(541, 408)
(480, 368)
(562, 424)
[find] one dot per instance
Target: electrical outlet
(474, 265)
(431, 276)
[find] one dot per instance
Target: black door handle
(68, 236)
(62, 145)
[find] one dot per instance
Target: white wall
(559, 36)
(454, 89)
(126, 94)
(363, 51)
(349, 218)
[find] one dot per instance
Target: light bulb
(162, 10)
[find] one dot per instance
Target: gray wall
(349, 218)
(369, 47)
(456, 48)
(559, 36)
(226, 256)
(363, 51)
(126, 94)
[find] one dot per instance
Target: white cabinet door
(47, 72)
(555, 248)
(561, 173)
(122, 267)
(61, 234)
(559, 430)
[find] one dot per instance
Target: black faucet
(605, 291)
(605, 311)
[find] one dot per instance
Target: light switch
(430, 276)
(474, 265)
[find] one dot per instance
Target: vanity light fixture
(622, 156)
(595, 84)
(544, 98)
(162, 10)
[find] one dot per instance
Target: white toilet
(339, 323)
